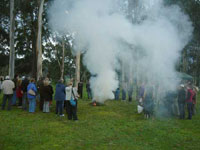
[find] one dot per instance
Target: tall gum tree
(12, 48)
(39, 41)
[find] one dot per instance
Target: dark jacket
(47, 92)
(181, 96)
(25, 83)
(60, 92)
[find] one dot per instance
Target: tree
(12, 48)
(39, 41)
(78, 57)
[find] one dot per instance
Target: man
(24, 85)
(7, 88)
(189, 100)
(181, 101)
(14, 97)
(89, 91)
(80, 89)
(40, 85)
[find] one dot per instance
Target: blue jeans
(14, 98)
(9, 98)
(32, 105)
(189, 108)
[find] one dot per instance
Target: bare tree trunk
(12, 48)
(39, 41)
(63, 58)
(78, 56)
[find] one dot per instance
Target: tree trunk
(12, 48)
(39, 41)
(63, 58)
(78, 56)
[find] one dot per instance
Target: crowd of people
(173, 102)
(23, 92)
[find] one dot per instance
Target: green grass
(115, 126)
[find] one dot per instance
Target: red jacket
(190, 95)
(19, 92)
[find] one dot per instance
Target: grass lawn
(115, 126)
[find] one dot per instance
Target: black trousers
(59, 107)
(181, 110)
(71, 111)
(9, 98)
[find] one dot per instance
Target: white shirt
(7, 87)
(68, 93)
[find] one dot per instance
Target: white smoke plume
(147, 47)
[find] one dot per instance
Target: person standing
(46, 92)
(25, 83)
(181, 101)
(40, 85)
(71, 93)
(14, 98)
(7, 88)
(130, 92)
(31, 94)
(1, 81)
(19, 93)
(89, 91)
(189, 100)
(60, 97)
(80, 89)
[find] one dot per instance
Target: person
(71, 93)
(181, 101)
(117, 93)
(1, 81)
(148, 101)
(89, 91)
(32, 95)
(130, 92)
(14, 98)
(170, 100)
(80, 89)
(189, 100)
(46, 93)
(40, 84)
(7, 88)
(60, 97)
(24, 86)
(19, 93)
(194, 100)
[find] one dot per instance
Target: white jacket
(7, 87)
(68, 93)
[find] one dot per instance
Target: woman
(31, 94)
(19, 92)
(60, 97)
(47, 92)
(71, 93)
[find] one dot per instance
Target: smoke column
(146, 47)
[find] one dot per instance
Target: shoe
(62, 115)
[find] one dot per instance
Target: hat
(7, 77)
(182, 85)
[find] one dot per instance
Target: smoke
(145, 47)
